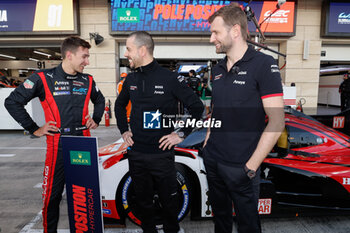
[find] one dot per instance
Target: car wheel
(127, 199)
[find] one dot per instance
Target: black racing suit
(65, 99)
(152, 90)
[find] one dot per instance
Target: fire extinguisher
(107, 113)
(301, 102)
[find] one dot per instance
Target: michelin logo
(151, 120)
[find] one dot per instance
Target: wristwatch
(181, 134)
(250, 173)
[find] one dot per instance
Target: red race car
(307, 172)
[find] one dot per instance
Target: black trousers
(150, 172)
(342, 101)
(229, 184)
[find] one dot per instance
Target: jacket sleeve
(18, 98)
(120, 107)
(191, 101)
(98, 100)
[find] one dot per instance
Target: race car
(307, 171)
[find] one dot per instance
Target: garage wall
(336, 53)
(188, 51)
(303, 66)
(103, 65)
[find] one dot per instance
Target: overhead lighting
(7, 56)
(22, 71)
(41, 53)
(30, 68)
(33, 59)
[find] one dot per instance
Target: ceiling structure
(34, 54)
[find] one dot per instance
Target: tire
(126, 200)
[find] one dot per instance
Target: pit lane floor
(21, 164)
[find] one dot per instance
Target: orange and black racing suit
(65, 99)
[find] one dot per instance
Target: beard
(134, 62)
(222, 49)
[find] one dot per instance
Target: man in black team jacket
(64, 92)
(154, 93)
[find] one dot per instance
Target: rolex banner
(82, 184)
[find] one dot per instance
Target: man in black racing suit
(64, 92)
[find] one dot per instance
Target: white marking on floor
(38, 185)
(28, 227)
(41, 231)
(7, 155)
(22, 148)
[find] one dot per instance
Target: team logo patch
(151, 120)
(237, 82)
(275, 69)
(56, 93)
(66, 130)
(62, 83)
(28, 84)
(79, 91)
(217, 77)
(62, 88)
(180, 78)
(156, 92)
(242, 73)
(133, 88)
(77, 83)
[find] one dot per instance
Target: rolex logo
(80, 157)
(128, 15)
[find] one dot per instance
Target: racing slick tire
(126, 200)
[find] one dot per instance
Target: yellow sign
(54, 15)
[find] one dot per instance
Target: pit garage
(335, 62)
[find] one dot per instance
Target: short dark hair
(232, 14)
(192, 72)
(143, 38)
(72, 44)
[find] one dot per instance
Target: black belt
(69, 130)
(66, 131)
